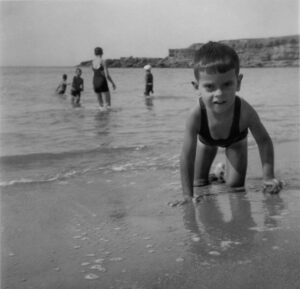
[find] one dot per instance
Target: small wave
(34, 157)
(57, 177)
(149, 163)
(23, 181)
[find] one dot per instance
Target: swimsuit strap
(235, 126)
(204, 130)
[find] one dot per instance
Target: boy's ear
(239, 82)
(195, 84)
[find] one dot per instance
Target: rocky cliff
(261, 52)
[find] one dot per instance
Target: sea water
(45, 139)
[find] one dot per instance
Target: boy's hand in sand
(186, 200)
(272, 186)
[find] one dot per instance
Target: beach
(85, 195)
(87, 233)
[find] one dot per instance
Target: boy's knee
(200, 182)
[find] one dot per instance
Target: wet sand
(118, 231)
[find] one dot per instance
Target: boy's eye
(228, 84)
(209, 87)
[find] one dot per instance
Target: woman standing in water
(101, 75)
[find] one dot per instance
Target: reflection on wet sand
(231, 225)
(149, 102)
(221, 225)
(273, 207)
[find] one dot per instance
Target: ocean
(45, 139)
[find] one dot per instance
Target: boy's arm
(187, 159)
(266, 151)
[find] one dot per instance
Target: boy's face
(218, 89)
(78, 72)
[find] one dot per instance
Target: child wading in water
(77, 87)
(62, 87)
(148, 80)
(222, 119)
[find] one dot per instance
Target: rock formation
(261, 52)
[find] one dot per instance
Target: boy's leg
(147, 90)
(236, 164)
(76, 99)
(204, 157)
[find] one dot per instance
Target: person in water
(222, 119)
(77, 87)
(62, 87)
(101, 75)
(148, 80)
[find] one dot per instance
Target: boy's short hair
(215, 57)
(64, 76)
(98, 51)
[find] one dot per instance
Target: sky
(64, 33)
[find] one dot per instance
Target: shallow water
(117, 231)
(44, 139)
(85, 194)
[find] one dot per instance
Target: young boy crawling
(222, 119)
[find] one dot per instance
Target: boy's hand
(114, 86)
(177, 203)
(272, 186)
(186, 200)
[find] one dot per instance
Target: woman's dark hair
(98, 51)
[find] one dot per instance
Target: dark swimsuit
(76, 86)
(62, 89)
(149, 84)
(99, 80)
(234, 136)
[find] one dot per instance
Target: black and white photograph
(150, 144)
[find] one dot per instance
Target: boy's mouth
(219, 102)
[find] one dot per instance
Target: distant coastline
(261, 52)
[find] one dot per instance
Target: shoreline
(117, 231)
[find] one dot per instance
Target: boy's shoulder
(248, 112)
(194, 117)
(246, 107)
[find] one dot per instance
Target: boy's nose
(218, 92)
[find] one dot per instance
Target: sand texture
(118, 231)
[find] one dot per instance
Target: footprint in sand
(214, 253)
(195, 239)
(116, 259)
(91, 276)
(98, 267)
